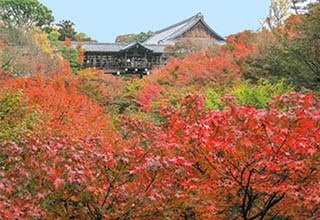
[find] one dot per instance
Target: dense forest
(222, 132)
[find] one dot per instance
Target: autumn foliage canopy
(200, 138)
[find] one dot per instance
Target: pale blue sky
(103, 20)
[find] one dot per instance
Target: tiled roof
(117, 47)
(157, 42)
(156, 48)
(101, 47)
(167, 35)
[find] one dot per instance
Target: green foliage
(260, 95)
(213, 100)
(254, 95)
(67, 30)
(83, 37)
(282, 62)
(298, 56)
(53, 37)
(16, 117)
(70, 54)
(48, 29)
(128, 38)
(131, 88)
(24, 13)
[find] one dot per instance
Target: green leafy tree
(70, 54)
(128, 38)
(16, 117)
(298, 56)
(24, 13)
(54, 38)
(67, 30)
(259, 95)
(83, 37)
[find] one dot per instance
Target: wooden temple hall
(139, 58)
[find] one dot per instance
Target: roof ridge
(179, 23)
(200, 19)
(154, 45)
(133, 44)
(215, 33)
(190, 25)
(106, 43)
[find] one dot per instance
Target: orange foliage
(290, 29)
(67, 42)
(81, 52)
(105, 89)
(245, 36)
(63, 109)
(198, 70)
(84, 163)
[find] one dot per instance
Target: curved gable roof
(167, 34)
(134, 44)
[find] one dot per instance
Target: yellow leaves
(81, 52)
(42, 42)
(89, 72)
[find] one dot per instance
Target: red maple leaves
(74, 156)
(251, 163)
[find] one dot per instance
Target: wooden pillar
(97, 61)
(145, 62)
(94, 60)
(90, 63)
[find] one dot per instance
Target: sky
(103, 20)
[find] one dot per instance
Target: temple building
(139, 58)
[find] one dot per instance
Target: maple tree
(76, 164)
(209, 68)
(107, 90)
(80, 144)
(59, 104)
(249, 163)
(85, 178)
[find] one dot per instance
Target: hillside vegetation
(227, 132)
